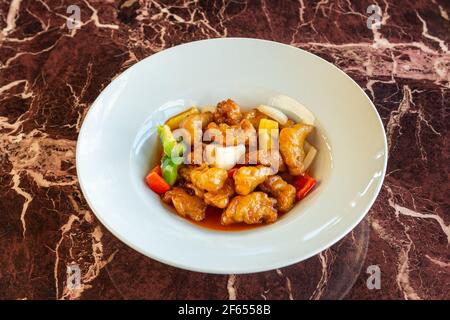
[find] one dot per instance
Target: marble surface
(50, 75)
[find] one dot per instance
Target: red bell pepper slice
(304, 184)
(156, 182)
(157, 169)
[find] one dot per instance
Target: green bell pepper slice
(173, 154)
(169, 170)
(167, 139)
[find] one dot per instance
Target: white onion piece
(309, 157)
(306, 146)
(274, 113)
(293, 108)
(223, 157)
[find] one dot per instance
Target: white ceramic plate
(115, 150)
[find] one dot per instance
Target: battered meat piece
(185, 172)
(209, 179)
(194, 123)
(271, 158)
(255, 116)
(227, 112)
(256, 207)
(291, 147)
(185, 204)
(220, 199)
(241, 133)
(280, 190)
(246, 179)
(197, 191)
(249, 131)
(268, 158)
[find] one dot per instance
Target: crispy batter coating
(209, 179)
(280, 190)
(269, 158)
(288, 124)
(234, 135)
(185, 204)
(255, 116)
(228, 112)
(197, 191)
(246, 179)
(221, 197)
(194, 123)
(291, 147)
(257, 207)
(185, 172)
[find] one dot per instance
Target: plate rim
(255, 269)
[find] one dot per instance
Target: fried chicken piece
(246, 179)
(255, 116)
(209, 179)
(218, 133)
(185, 204)
(195, 123)
(185, 172)
(291, 147)
(249, 131)
(197, 191)
(280, 190)
(228, 112)
(269, 158)
(288, 124)
(257, 207)
(220, 198)
(234, 135)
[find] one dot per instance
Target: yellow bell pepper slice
(174, 122)
(267, 134)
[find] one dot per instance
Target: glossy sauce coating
(212, 221)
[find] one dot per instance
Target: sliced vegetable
(304, 184)
(173, 154)
(293, 108)
(267, 134)
(157, 169)
(174, 122)
(169, 170)
(273, 113)
(156, 182)
(306, 146)
(268, 124)
(310, 155)
(177, 154)
(224, 157)
(167, 139)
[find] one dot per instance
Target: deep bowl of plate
(117, 145)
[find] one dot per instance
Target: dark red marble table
(50, 75)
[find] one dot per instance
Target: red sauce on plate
(212, 221)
